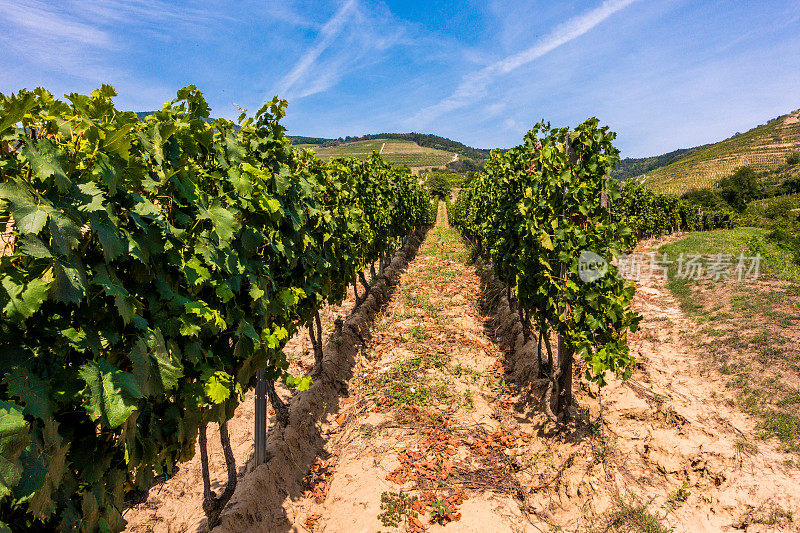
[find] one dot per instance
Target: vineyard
(208, 328)
(764, 148)
(397, 152)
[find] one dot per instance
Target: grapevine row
(533, 214)
(651, 214)
(156, 266)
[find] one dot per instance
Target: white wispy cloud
(355, 37)
(47, 23)
(327, 35)
(79, 38)
(475, 85)
(286, 13)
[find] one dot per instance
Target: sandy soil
(430, 410)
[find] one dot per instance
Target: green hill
(765, 148)
(469, 158)
(631, 167)
(428, 140)
(399, 152)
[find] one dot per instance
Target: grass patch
(753, 338)
(446, 243)
(680, 496)
(408, 383)
(771, 515)
(422, 302)
(634, 518)
(745, 447)
(459, 370)
(775, 262)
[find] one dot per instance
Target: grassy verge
(750, 329)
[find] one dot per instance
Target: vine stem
(212, 504)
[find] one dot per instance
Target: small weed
(790, 399)
(395, 506)
(499, 384)
(784, 426)
(772, 515)
(461, 370)
(745, 447)
(468, 402)
(404, 314)
(405, 383)
(439, 510)
(634, 518)
(417, 332)
(367, 431)
(601, 444)
(680, 496)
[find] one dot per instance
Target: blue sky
(663, 74)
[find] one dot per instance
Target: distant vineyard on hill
(425, 140)
(764, 148)
(398, 152)
(630, 167)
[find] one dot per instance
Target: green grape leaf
(113, 245)
(15, 108)
(217, 386)
(33, 247)
(42, 504)
(30, 216)
(24, 301)
(43, 157)
(225, 223)
(90, 511)
(119, 141)
(545, 241)
(196, 273)
(64, 232)
(202, 309)
(33, 392)
(13, 440)
(300, 384)
(107, 171)
(30, 219)
(156, 369)
(273, 205)
(69, 282)
(224, 293)
(35, 470)
(113, 287)
(282, 180)
(144, 207)
(94, 197)
(111, 394)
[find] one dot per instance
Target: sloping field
(763, 148)
(398, 152)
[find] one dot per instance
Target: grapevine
(532, 214)
(156, 266)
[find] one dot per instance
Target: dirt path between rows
(432, 434)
